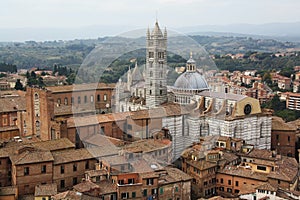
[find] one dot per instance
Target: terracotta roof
(93, 173)
(102, 140)
(260, 154)
(285, 169)
(163, 111)
(279, 124)
(96, 119)
(268, 187)
(245, 173)
(115, 160)
(172, 175)
(67, 195)
(45, 190)
(100, 152)
(54, 145)
(80, 87)
(107, 187)
(10, 190)
(31, 156)
(12, 104)
(86, 186)
(71, 155)
(147, 145)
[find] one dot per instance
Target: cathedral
(203, 112)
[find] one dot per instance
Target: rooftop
(80, 87)
(71, 155)
(147, 145)
(45, 190)
(12, 104)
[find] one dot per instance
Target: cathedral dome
(191, 81)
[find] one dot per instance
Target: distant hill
(71, 53)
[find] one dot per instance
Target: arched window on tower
(261, 130)
(200, 130)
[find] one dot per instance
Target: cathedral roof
(191, 81)
(136, 74)
(156, 31)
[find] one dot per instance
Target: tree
(19, 85)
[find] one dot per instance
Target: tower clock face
(247, 109)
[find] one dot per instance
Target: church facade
(202, 112)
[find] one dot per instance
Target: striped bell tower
(156, 67)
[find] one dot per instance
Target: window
(229, 190)
(263, 168)
(150, 83)
(236, 191)
(44, 198)
(62, 184)
(151, 73)
(121, 182)
(124, 195)
(131, 181)
(26, 171)
(150, 92)
(85, 99)
(160, 84)
(229, 182)
(92, 98)
(289, 138)
(72, 100)
(98, 97)
(104, 97)
(74, 180)
(74, 167)
(278, 181)
(145, 192)
(150, 181)
(176, 189)
(277, 137)
(160, 92)
(59, 101)
(133, 194)
(43, 170)
(129, 126)
(122, 168)
(161, 190)
(78, 100)
(62, 169)
(151, 54)
(236, 183)
(87, 166)
(221, 180)
(66, 101)
(221, 188)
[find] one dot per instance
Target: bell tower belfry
(156, 67)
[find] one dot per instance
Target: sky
(141, 13)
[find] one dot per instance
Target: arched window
(92, 98)
(200, 130)
(59, 101)
(261, 130)
(36, 96)
(66, 101)
(98, 97)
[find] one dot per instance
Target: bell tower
(156, 67)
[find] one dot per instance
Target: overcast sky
(141, 13)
